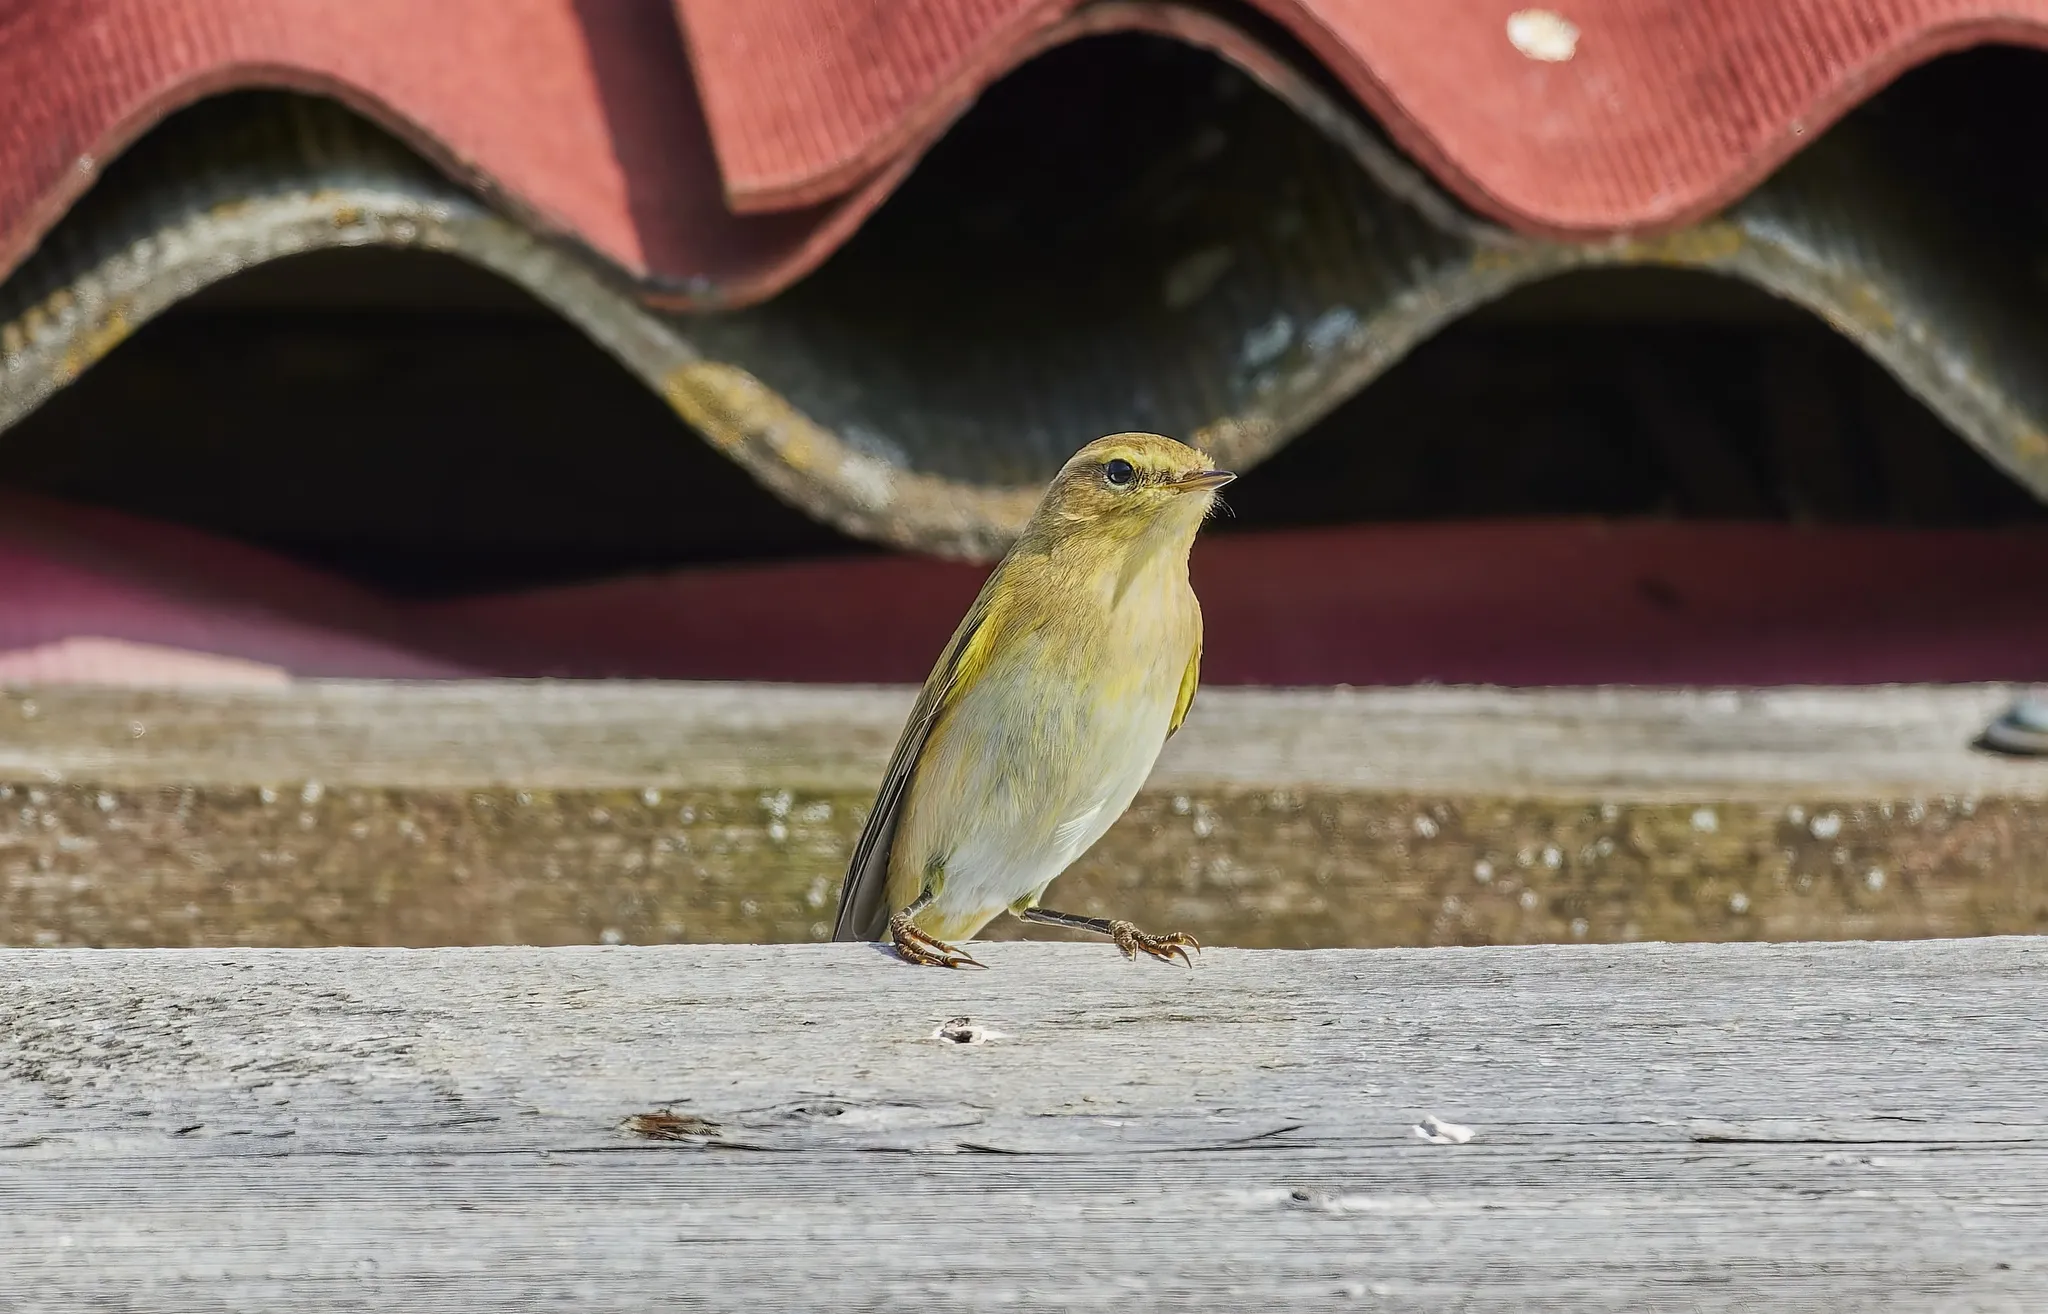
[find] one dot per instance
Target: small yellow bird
(1045, 712)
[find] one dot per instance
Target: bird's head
(1129, 485)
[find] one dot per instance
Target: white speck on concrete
(963, 1031)
(1438, 1132)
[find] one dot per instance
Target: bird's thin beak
(1203, 479)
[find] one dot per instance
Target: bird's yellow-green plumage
(1048, 707)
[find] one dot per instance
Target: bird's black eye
(1119, 471)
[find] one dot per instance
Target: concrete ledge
(1848, 1126)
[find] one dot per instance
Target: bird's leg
(914, 946)
(1128, 937)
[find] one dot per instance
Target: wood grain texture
(1736, 1127)
(1585, 744)
(551, 814)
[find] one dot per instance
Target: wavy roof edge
(1592, 119)
(654, 137)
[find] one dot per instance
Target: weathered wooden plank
(1855, 1126)
(1587, 744)
(574, 813)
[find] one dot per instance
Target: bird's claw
(914, 946)
(1163, 947)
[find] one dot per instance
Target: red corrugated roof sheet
(581, 115)
(586, 115)
(1588, 117)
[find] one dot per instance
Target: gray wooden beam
(1587, 744)
(545, 813)
(1732, 1127)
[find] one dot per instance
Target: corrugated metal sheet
(587, 117)
(1230, 270)
(580, 118)
(1585, 118)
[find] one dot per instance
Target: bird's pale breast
(1044, 752)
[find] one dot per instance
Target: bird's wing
(862, 898)
(1188, 680)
